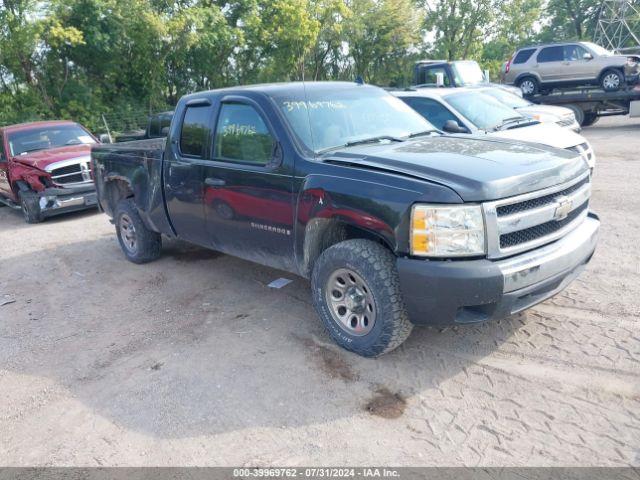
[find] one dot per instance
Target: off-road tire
(30, 205)
(148, 243)
(535, 86)
(608, 87)
(377, 266)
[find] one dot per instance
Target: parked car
(394, 223)
(44, 168)
(561, 116)
(456, 110)
(541, 68)
(458, 73)
(157, 127)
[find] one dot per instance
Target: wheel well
(522, 76)
(611, 69)
(322, 233)
(116, 190)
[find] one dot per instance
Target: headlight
(451, 231)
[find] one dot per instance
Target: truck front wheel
(356, 292)
(139, 244)
(30, 207)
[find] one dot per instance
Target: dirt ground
(193, 360)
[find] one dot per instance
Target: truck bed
(138, 166)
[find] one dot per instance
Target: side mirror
(451, 126)
(164, 132)
(587, 56)
(440, 79)
(105, 138)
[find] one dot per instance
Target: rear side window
(436, 113)
(551, 54)
(195, 131)
(154, 127)
(523, 55)
(242, 136)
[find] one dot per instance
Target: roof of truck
(283, 87)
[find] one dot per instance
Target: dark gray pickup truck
(395, 223)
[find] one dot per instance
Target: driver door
(248, 183)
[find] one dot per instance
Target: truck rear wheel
(356, 292)
(139, 244)
(529, 86)
(30, 207)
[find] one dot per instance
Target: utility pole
(618, 27)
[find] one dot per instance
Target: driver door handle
(215, 182)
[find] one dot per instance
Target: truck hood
(545, 133)
(476, 168)
(42, 158)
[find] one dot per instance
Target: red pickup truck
(45, 168)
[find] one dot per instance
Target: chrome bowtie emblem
(565, 205)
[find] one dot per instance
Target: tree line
(80, 59)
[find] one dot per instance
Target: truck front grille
(540, 201)
(528, 221)
(69, 172)
(533, 233)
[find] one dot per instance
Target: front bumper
(449, 292)
(54, 201)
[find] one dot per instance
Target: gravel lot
(193, 360)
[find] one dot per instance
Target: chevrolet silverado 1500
(394, 223)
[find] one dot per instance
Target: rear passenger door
(550, 63)
(248, 200)
(186, 156)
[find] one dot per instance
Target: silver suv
(540, 68)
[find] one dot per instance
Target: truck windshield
(508, 98)
(331, 118)
(22, 142)
(483, 111)
(467, 73)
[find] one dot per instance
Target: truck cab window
(242, 136)
(195, 131)
(428, 76)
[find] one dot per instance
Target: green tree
(381, 35)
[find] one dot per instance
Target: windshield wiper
(507, 122)
(423, 133)
(32, 150)
(363, 142)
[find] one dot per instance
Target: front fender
(29, 175)
(330, 209)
